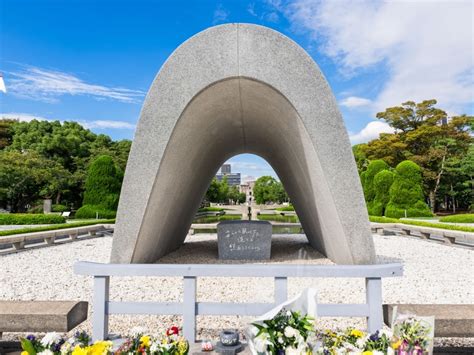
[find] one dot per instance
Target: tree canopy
(440, 145)
(64, 149)
(268, 189)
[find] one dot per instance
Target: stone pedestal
(47, 206)
(244, 240)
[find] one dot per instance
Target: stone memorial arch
(231, 89)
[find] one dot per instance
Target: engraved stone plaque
(244, 240)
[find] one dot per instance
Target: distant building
(233, 179)
(247, 189)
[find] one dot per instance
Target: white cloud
(354, 101)
(220, 14)
(371, 131)
(426, 47)
(251, 9)
(48, 85)
(89, 124)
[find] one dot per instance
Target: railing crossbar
(190, 307)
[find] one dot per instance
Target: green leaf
(27, 346)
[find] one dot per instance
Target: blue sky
(93, 61)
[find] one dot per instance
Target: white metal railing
(190, 307)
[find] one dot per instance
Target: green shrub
(278, 218)
(90, 211)
(378, 219)
(285, 208)
(29, 218)
(59, 208)
(213, 219)
(36, 209)
(406, 193)
(55, 227)
(211, 209)
(382, 182)
(103, 184)
(459, 218)
(367, 178)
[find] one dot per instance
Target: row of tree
(441, 146)
(41, 159)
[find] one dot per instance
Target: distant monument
(228, 90)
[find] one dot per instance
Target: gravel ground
(433, 273)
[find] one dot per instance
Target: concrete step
(41, 316)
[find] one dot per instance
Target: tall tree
(425, 135)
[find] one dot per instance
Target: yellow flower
(78, 350)
(183, 347)
(145, 340)
(396, 345)
(99, 348)
(357, 333)
(367, 353)
(24, 353)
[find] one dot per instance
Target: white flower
(45, 352)
(66, 348)
(280, 340)
(136, 331)
(376, 352)
(390, 351)
(260, 343)
(291, 332)
(154, 347)
(387, 333)
(50, 338)
(292, 351)
(288, 313)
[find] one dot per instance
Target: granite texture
(244, 240)
(41, 316)
(232, 89)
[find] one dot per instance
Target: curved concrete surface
(234, 89)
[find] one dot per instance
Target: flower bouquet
(286, 333)
(170, 343)
(53, 344)
(354, 341)
(285, 328)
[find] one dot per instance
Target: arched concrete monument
(232, 89)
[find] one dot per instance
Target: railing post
(189, 309)
(374, 301)
(100, 316)
(281, 290)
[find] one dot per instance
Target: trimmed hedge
(459, 218)
(211, 209)
(103, 184)
(285, 208)
(383, 180)
(367, 178)
(422, 224)
(406, 193)
(90, 211)
(59, 208)
(278, 218)
(55, 227)
(213, 219)
(30, 218)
